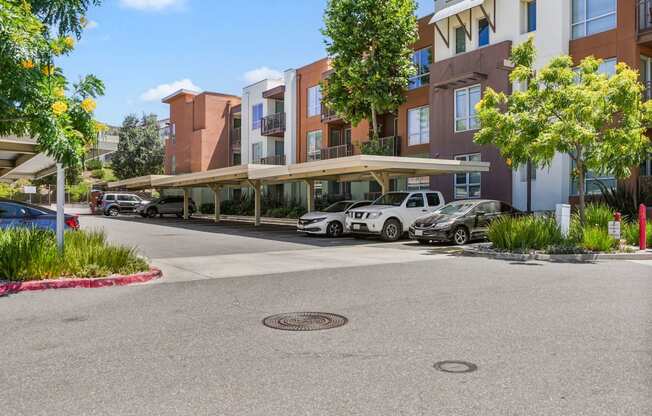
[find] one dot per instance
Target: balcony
(332, 152)
(273, 125)
(386, 146)
(236, 138)
(644, 20)
(271, 160)
(647, 91)
(328, 115)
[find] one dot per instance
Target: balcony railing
(236, 138)
(332, 152)
(271, 160)
(328, 115)
(273, 125)
(647, 92)
(644, 15)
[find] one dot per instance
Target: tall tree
(36, 99)
(140, 151)
(368, 42)
(599, 121)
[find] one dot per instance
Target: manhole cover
(304, 321)
(455, 366)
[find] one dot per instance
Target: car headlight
(320, 219)
(374, 215)
(442, 225)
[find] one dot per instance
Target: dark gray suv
(460, 221)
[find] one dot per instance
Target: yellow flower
(508, 162)
(100, 126)
(88, 105)
(27, 7)
(60, 92)
(27, 64)
(69, 42)
(59, 108)
(56, 49)
(48, 70)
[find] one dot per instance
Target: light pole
(61, 184)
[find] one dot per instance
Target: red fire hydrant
(642, 227)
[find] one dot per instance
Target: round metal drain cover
(304, 321)
(458, 367)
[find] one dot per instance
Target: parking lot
(548, 339)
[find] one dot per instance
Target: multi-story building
(473, 43)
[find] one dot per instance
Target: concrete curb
(578, 258)
(116, 280)
(239, 218)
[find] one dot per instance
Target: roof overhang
(457, 8)
(361, 167)
(460, 80)
(137, 183)
(231, 176)
(276, 93)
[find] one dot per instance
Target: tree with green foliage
(368, 43)
(140, 151)
(599, 121)
(36, 100)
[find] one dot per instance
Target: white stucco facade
(552, 184)
(252, 95)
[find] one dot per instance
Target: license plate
(418, 232)
(356, 226)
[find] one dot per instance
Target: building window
(483, 32)
(419, 183)
(256, 116)
(460, 40)
(646, 168)
(256, 152)
(173, 165)
(592, 16)
(530, 16)
(237, 159)
(314, 101)
(422, 59)
(419, 125)
(592, 183)
(173, 132)
(467, 185)
(465, 102)
(314, 145)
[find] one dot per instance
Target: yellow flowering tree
(36, 99)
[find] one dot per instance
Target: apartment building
(473, 41)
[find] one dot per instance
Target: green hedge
(31, 254)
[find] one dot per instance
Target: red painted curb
(15, 287)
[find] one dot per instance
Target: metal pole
(642, 227)
(61, 179)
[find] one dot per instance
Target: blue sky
(143, 49)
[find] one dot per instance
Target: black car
(460, 221)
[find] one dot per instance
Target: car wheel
(113, 212)
(392, 230)
(334, 229)
(151, 212)
(424, 242)
(461, 236)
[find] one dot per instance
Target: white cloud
(92, 24)
(262, 73)
(163, 90)
(151, 4)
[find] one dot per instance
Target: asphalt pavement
(547, 338)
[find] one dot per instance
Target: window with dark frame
(460, 40)
(531, 14)
(483, 32)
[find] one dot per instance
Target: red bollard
(617, 216)
(642, 227)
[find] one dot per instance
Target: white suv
(391, 215)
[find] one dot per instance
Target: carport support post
(61, 185)
(256, 185)
(186, 192)
(217, 201)
(310, 199)
(383, 181)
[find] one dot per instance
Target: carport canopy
(138, 183)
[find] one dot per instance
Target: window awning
(455, 9)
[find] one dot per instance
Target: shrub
(599, 215)
(596, 238)
(207, 208)
(525, 233)
(94, 164)
(98, 173)
(31, 254)
(630, 233)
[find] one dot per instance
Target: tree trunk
(374, 123)
(580, 187)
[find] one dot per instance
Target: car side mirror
(480, 213)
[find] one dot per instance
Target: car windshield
(393, 198)
(338, 206)
(456, 208)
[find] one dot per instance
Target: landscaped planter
(7, 288)
(489, 251)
